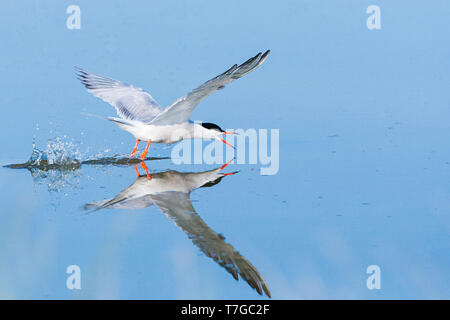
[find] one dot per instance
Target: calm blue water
(364, 157)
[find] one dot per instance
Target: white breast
(162, 134)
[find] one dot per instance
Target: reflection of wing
(125, 203)
(131, 103)
(178, 207)
(180, 111)
(133, 197)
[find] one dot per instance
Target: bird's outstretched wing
(131, 103)
(181, 110)
(178, 207)
(144, 201)
(132, 197)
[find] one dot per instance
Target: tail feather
(124, 124)
(94, 206)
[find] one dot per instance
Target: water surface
(364, 160)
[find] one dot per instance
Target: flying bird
(146, 120)
(170, 192)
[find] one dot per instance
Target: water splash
(60, 153)
(55, 166)
(58, 164)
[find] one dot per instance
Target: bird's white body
(162, 182)
(167, 133)
(147, 121)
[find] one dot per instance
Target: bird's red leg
(145, 151)
(137, 171)
(144, 166)
(133, 153)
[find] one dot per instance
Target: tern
(170, 192)
(145, 119)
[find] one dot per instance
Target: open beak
(223, 167)
(220, 139)
(226, 132)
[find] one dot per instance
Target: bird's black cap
(209, 125)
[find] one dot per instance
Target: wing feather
(178, 207)
(131, 103)
(181, 110)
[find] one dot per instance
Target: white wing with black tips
(180, 111)
(131, 103)
(178, 207)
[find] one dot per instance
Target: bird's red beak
(223, 167)
(227, 132)
(225, 142)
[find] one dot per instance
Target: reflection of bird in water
(170, 192)
(144, 118)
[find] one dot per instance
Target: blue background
(364, 158)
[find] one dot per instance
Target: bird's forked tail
(122, 123)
